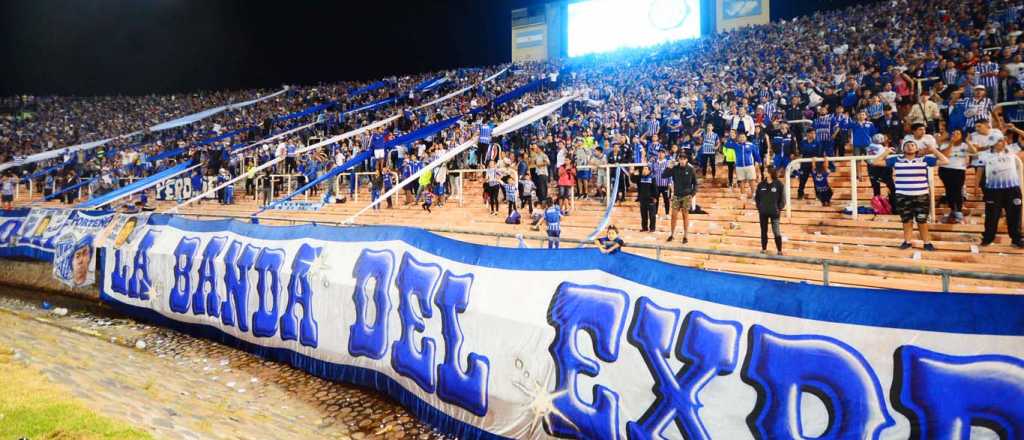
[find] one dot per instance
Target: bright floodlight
(604, 25)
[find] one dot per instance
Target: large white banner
(486, 342)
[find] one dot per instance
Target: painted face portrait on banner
(81, 261)
(41, 226)
(125, 232)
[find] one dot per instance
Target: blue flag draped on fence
(355, 160)
(373, 105)
(136, 186)
(70, 188)
(45, 171)
(407, 138)
(515, 94)
(430, 84)
(308, 111)
(185, 120)
(369, 88)
(510, 96)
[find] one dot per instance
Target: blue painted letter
(236, 280)
(139, 284)
(416, 284)
(467, 389)
(205, 298)
(301, 292)
(780, 367)
(944, 395)
(368, 339)
(601, 312)
(268, 289)
(184, 253)
(709, 347)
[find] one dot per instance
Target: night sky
(89, 47)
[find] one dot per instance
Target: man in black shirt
(770, 200)
(890, 124)
(647, 194)
(684, 183)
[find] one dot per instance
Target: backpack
(881, 205)
(513, 219)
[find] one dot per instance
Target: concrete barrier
(38, 276)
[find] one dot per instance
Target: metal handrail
(853, 180)
(825, 263)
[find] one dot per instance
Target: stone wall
(38, 276)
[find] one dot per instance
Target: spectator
(539, 163)
(746, 156)
(953, 174)
(511, 188)
(708, 149)
(684, 188)
(879, 174)
(1002, 193)
(910, 175)
(822, 189)
(553, 219)
(782, 148)
(526, 190)
(770, 200)
(662, 184)
(7, 188)
(924, 111)
(611, 243)
(978, 106)
(492, 183)
(809, 148)
(647, 194)
(566, 182)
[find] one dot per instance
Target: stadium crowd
(914, 84)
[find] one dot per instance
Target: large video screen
(604, 25)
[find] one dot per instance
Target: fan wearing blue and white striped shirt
(910, 173)
(708, 149)
(978, 107)
(662, 183)
(985, 72)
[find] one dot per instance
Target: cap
(84, 242)
(979, 86)
(878, 138)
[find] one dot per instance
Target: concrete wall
(38, 276)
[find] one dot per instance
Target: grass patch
(33, 407)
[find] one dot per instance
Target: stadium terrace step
(813, 231)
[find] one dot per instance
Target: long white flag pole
(329, 141)
(512, 124)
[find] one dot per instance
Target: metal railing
(854, 181)
(826, 264)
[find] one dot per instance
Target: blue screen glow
(604, 25)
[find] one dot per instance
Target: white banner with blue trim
(486, 342)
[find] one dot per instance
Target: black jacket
(645, 187)
(684, 180)
(770, 198)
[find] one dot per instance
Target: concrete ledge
(38, 276)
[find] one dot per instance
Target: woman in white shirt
(953, 174)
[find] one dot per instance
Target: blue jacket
(747, 154)
(862, 133)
